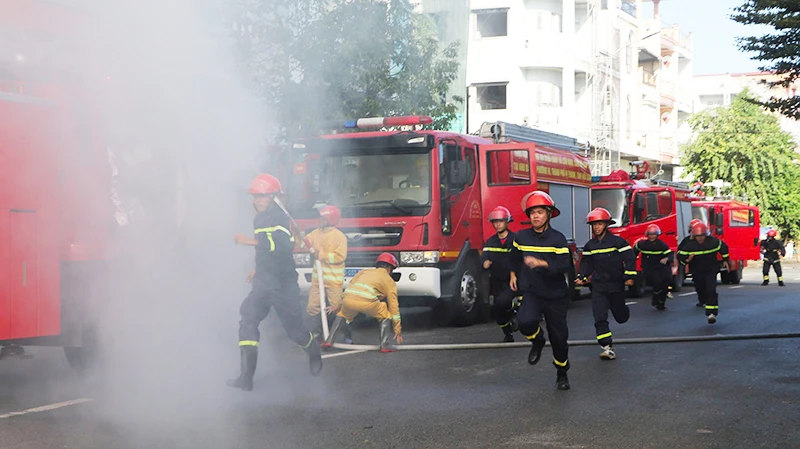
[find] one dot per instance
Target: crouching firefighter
(657, 265)
(610, 263)
(364, 295)
(274, 283)
(773, 252)
(701, 256)
(496, 258)
(329, 246)
(540, 260)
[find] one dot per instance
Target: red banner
(562, 167)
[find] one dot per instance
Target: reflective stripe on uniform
(606, 250)
(541, 249)
(531, 337)
(363, 290)
(700, 253)
(248, 343)
(630, 273)
(396, 317)
(606, 335)
(497, 250)
(331, 258)
(564, 363)
(269, 231)
(653, 253)
(712, 307)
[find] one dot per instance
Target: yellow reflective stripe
(700, 253)
(724, 256)
(332, 270)
(653, 253)
(310, 340)
(541, 249)
(273, 229)
(564, 363)
(624, 248)
(497, 250)
(357, 292)
(606, 335)
(248, 343)
(712, 307)
(369, 288)
(396, 317)
(531, 337)
(331, 258)
(329, 278)
(630, 273)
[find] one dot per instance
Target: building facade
(603, 71)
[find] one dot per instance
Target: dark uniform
(773, 250)
(498, 251)
(657, 275)
(704, 268)
(610, 262)
(544, 290)
(275, 282)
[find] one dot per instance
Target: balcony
(648, 77)
(541, 50)
(667, 91)
(668, 150)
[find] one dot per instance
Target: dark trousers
(776, 265)
(705, 284)
(602, 302)
(660, 280)
(503, 307)
(285, 299)
(555, 316)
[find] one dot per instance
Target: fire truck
(636, 202)
(54, 188)
(424, 195)
(735, 222)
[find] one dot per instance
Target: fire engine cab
(423, 195)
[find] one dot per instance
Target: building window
(492, 96)
(491, 22)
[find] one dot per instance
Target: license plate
(350, 272)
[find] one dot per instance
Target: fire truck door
(23, 271)
(506, 177)
(741, 228)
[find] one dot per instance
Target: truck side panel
(23, 274)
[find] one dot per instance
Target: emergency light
(380, 122)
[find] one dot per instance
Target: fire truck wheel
(83, 358)
(736, 276)
(468, 300)
(725, 277)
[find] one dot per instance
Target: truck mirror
(718, 231)
(458, 174)
(718, 221)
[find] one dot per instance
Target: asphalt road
(696, 395)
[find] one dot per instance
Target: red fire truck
(424, 196)
(54, 186)
(636, 202)
(735, 222)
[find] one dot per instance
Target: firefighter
(421, 177)
(683, 243)
(701, 256)
(773, 252)
(657, 264)
(608, 263)
(274, 283)
(540, 260)
(364, 295)
(329, 246)
(496, 258)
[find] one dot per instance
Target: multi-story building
(596, 70)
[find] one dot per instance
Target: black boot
(386, 336)
(765, 283)
(780, 283)
(536, 349)
(337, 323)
(562, 381)
(508, 332)
(249, 356)
(314, 357)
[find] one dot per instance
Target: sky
(715, 49)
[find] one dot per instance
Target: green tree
(744, 145)
(314, 61)
(780, 50)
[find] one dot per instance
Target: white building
(596, 70)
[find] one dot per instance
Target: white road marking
(687, 294)
(630, 303)
(339, 354)
(46, 408)
(738, 286)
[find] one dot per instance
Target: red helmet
(537, 198)
(265, 184)
(694, 222)
(700, 229)
(500, 213)
(331, 214)
(772, 233)
(387, 258)
(599, 214)
(652, 229)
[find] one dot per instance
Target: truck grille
(372, 237)
(364, 259)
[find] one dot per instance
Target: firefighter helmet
(652, 229)
(772, 233)
(599, 214)
(694, 222)
(331, 214)
(537, 198)
(500, 213)
(265, 184)
(387, 258)
(699, 229)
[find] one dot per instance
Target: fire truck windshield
(700, 212)
(363, 185)
(614, 200)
